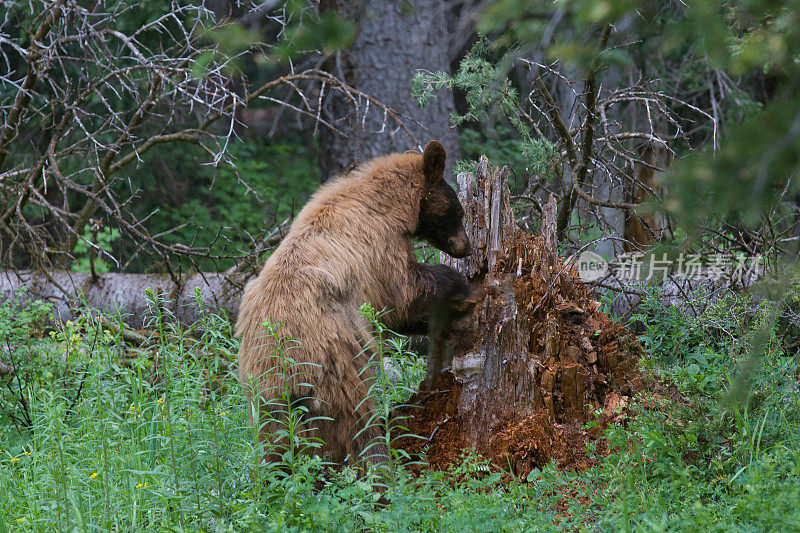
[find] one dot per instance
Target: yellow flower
(26, 453)
(14, 460)
(94, 475)
(23, 519)
(142, 485)
(160, 400)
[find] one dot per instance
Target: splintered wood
(535, 358)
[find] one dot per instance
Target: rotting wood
(536, 356)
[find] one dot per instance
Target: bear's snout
(459, 245)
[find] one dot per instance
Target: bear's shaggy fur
(349, 245)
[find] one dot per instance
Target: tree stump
(535, 358)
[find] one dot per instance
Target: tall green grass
(726, 457)
(97, 434)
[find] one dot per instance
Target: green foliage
(25, 361)
(102, 243)
(153, 438)
(232, 40)
(706, 462)
(395, 373)
(758, 156)
(758, 159)
(227, 206)
(490, 95)
(158, 437)
(499, 143)
(487, 91)
(674, 334)
(20, 322)
(312, 30)
(703, 461)
(307, 30)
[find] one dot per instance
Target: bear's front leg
(434, 286)
(441, 285)
(440, 349)
(442, 298)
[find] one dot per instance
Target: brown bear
(349, 245)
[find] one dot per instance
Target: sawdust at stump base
(535, 360)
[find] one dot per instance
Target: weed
(158, 437)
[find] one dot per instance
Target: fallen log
(125, 293)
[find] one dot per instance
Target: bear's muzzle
(458, 246)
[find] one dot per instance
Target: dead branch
(129, 99)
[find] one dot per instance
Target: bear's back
(350, 244)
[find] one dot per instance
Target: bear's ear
(433, 162)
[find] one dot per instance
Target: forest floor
(99, 433)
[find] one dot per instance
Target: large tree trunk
(394, 40)
(536, 356)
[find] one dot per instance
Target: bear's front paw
(451, 284)
(465, 306)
